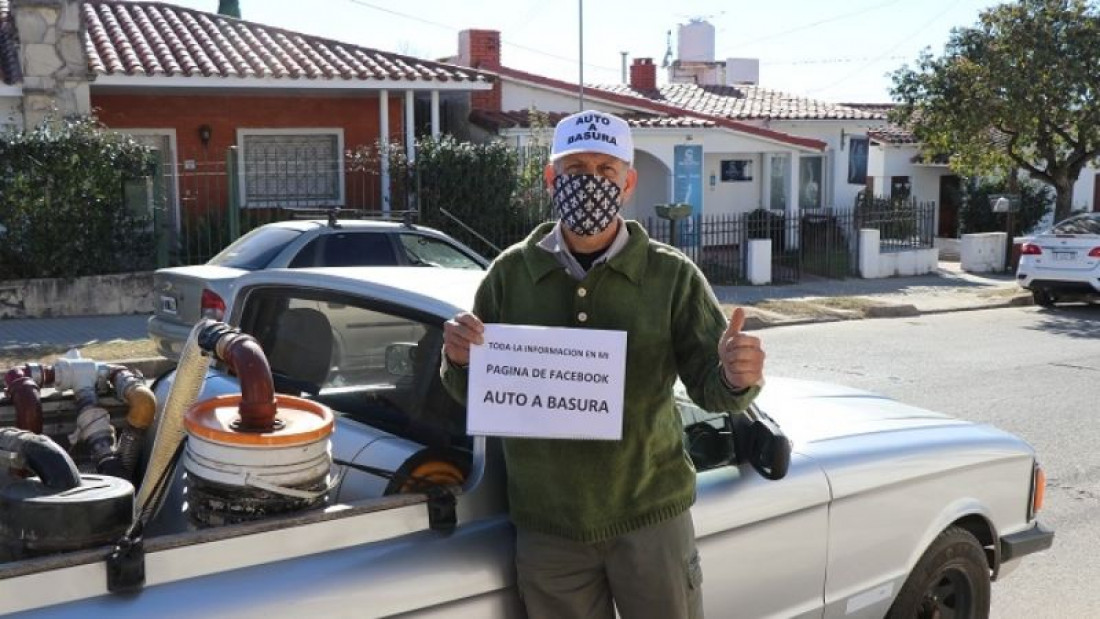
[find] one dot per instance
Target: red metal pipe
(245, 356)
(24, 395)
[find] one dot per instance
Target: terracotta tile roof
(640, 102)
(496, 121)
(893, 134)
(157, 39)
(9, 47)
(745, 102)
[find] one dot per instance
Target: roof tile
(495, 121)
(743, 102)
(153, 38)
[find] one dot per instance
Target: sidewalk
(947, 289)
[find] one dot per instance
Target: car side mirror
(761, 442)
(401, 359)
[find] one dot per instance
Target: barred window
(292, 168)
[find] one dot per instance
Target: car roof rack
(334, 214)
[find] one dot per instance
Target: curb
(905, 310)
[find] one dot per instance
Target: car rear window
(357, 249)
(1082, 224)
(256, 249)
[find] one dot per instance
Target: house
(711, 137)
(895, 157)
(193, 85)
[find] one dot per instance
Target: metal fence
(203, 206)
(902, 225)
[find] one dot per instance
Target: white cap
(593, 132)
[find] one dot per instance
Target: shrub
(976, 214)
(63, 202)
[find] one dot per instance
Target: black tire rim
(949, 596)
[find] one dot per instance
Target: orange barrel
(237, 475)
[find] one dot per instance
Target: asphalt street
(1028, 370)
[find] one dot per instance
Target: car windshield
(1081, 224)
(427, 251)
(256, 249)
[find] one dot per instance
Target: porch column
(435, 114)
(384, 146)
(766, 180)
(792, 202)
(410, 125)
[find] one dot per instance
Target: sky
(833, 50)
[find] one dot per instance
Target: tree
(1016, 91)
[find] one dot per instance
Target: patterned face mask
(587, 204)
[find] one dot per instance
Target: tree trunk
(1063, 202)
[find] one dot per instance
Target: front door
(950, 197)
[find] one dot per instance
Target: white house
(711, 137)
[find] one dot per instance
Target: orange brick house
(193, 85)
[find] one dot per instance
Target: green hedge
(976, 215)
(64, 211)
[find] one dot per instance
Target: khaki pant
(649, 573)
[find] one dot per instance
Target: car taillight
(1030, 249)
(1095, 253)
(212, 305)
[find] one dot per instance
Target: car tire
(951, 579)
(1042, 298)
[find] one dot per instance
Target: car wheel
(1042, 298)
(951, 580)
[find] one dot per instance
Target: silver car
(185, 295)
(885, 509)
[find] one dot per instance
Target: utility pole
(580, 64)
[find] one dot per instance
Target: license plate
(1065, 255)
(168, 304)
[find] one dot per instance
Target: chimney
(643, 74)
(480, 49)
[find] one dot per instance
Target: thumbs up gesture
(741, 355)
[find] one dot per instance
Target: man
(605, 524)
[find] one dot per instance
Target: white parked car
(885, 509)
(1063, 264)
(185, 295)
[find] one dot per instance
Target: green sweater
(591, 491)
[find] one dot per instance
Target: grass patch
(1006, 292)
(819, 307)
(857, 304)
(114, 350)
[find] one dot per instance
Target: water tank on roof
(695, 41)
(742, 71)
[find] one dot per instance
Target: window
(423, 250)
(255, 249)
(810, 178)
(291, 168)
(372, 364)
(347, 249)
(900, 187)
(1081, 224)
(780, 165)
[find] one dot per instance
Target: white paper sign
(547, 382)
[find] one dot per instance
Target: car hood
(810, 411)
